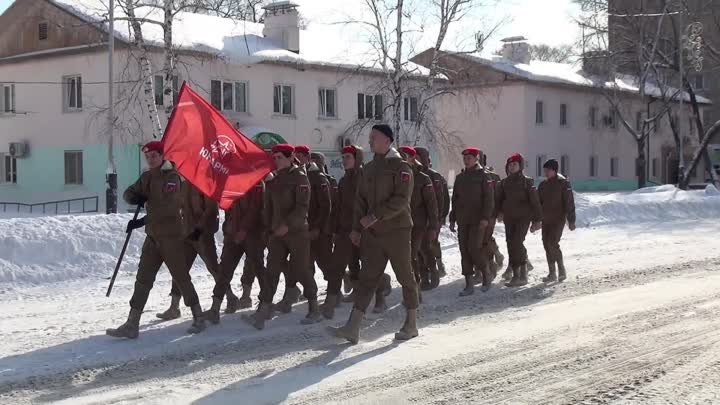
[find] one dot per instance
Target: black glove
(135, 224)
(195, 234)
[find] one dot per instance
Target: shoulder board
(405, 176)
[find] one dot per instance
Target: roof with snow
(570, 74)
(237, 41)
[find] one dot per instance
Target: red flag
(210, 153)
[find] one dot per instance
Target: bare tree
(649, 45)
(547, 53)
(392, 27)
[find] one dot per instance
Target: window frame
(593, 173)
(12, 174)
(220, 92)
(653, 167)
(592, 117)
(322, 103)
(41, 25)
(67, 97)
(377, 110)
(539, 112)
(79, 167)
(564, 109)
(8, 88)
(539, 162)
(565, 165)
(280, 112)
(614, 167)
(408, 115)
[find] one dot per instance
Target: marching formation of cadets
(390, 209)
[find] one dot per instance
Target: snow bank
(53, 249)
(652, 204)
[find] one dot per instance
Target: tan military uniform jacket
(557, 200)
(517, 199)
(320, 200)
(473, 197)
(162, 188)
(423, 203)
(384, 190)
(287, 200)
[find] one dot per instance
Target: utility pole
(111, 173)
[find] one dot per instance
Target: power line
(63, 83)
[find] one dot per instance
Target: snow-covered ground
(636, 323)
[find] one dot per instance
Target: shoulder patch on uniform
(491, 183)
(324, 185)
(430, 186)
(304, 187)
(404, 177)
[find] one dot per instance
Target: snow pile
(652, 204)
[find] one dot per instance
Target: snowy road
(636, 323)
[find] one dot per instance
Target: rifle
(122, 253)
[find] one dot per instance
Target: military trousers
(345, 255)
(296, 245)
(427, 258)
(155, 252)
(252, 248)
(473, 252)
(416, 242)
(206, 249)
(551, 235)
(515, 233)
(490, 243)
(375, 252)
(322, 255)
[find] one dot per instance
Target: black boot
(198, 324)
(213, 314)
(351, 330)
(469, 286)
(562, 276)
(551, 277)
(130, 329)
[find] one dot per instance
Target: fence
(71, 206)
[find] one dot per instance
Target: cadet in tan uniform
(496, 256)
(472, 208)
(287, 199)
(558, 206)
(243, 236)
(160, 190)
(431, 247)
(200, 219)
(382, 228)
(319, 225)
(517, 204)
(423, 207)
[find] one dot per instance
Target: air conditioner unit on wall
(343, 141)
(18, 149)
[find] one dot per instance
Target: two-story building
(305, 86)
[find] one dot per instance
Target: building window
(610, 119)
(327, 106)
(539, 112)
(639, 121)
(9, 170)
(592, 117)
(410, 108)
(227, 95)
(73, 167)
(565, 165)
(7, 99)
(283, 99)
(159, 84)
(614, 167)
(654, 167)
(43, 31)
(593, 166)
(370, 107)
(698, 81)
(563, 115)
(539, 162)
(72, 93)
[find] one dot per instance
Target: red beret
(302, 149)
(408, 150)
(283, 148)
(156, 146)
(349, 149)
(472, 151)
(516, 157)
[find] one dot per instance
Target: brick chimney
(516, 49)
(282, 24)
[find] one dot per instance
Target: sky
(541, 21)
